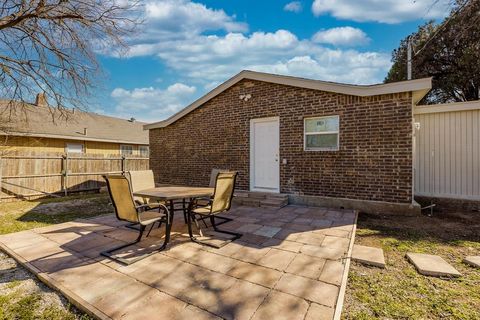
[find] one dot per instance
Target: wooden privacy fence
(35, 174)
(447, 153)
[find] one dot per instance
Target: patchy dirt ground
(399, 292)
(22, 296)
(23, 215)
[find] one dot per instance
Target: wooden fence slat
(35, 173)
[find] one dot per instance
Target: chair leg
(133, 226)
(185, 213)
(150, 230)
(110, 253)
(140, 234)
(212, 220)
(225, 220)
(189, 224)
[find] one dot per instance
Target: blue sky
(186, 48)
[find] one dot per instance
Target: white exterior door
(264, 154)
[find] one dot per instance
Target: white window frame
(141, 153)
(126, 145)
(305, 134)
(67, 148)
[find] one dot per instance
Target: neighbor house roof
(47, 122)
(418, 87)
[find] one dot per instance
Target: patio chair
(220, 202)
(143, 179)
(127, 210)
(201, 202)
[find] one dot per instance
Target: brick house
(322, 143)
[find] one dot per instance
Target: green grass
(19, 216)
(399, 292)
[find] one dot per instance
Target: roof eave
(419, 88)
(77, 138)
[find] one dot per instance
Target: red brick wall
(374, 161)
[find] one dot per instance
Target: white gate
(447, 153)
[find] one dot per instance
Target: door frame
(252, 152)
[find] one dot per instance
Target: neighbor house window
(322, 133)
(144, 151)
(74, 148)
(126, 150)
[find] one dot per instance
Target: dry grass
(399, 292)
(24, 215)
(22, 296)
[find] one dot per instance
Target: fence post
(1, 170)
(65, 174)
(123, 165)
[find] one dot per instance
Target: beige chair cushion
(202, 210)
(121, 195)
(148, 217)
(224, 187)
(213, 176)
(141, 180)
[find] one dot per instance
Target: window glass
(326, 141)
(126, 150)
(74, 148)
(322, 124)
(322, 133)
(144, 151)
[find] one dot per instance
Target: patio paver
(281, 306)
(474, 261)
(368, 255)
(432, 265)
(289, 265)
(319, 312)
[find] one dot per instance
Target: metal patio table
(172, 193)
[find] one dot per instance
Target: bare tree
(50, 46)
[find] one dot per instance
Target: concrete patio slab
(274, 271)
(474, 261)
(368, 255)
(432, 265)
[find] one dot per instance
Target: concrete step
(260, 199)
(241, 194)
(274, 203)
(250, 202)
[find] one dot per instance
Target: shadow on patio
(288, 264)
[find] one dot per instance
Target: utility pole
(409, 59)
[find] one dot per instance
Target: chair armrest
(160, 208)
(141, 207)
(208, 200)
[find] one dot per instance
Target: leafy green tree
(449, 52)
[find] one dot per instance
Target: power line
(441, 27)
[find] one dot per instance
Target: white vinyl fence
(447, 153)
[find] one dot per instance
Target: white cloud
(209, 60)
(385, 11)
(184, 15)
(341, 36)
(201, 59)
(151, 103)
(294, 6)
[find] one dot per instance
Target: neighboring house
(40, 128)
(319, 142)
